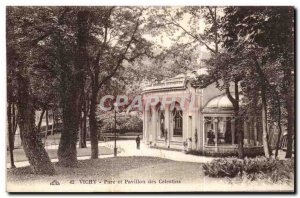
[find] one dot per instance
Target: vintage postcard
(150, 99)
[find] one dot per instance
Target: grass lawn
(187, 176)
(19, 154)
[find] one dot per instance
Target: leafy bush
(284, 171)
(259, 168)
(124, 122)
(259, 164)
(223, 168)
(131, 124)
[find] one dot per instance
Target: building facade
(202, 123)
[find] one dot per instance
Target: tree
(225, 69)
(83, 121)
(11, 132)
(47, 127)
(60, 33)
(11, 114)
(121, 25)
(72, 65)
(269, 33)
(21, 45)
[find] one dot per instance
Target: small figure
(138, 141)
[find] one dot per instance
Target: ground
(19, 155)
(160, 170)
(135, 173)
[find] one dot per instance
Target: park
(150, 99)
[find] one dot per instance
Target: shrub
(258, 164)
(124, 122)
(131, 124)
(259, 168)
(284, 171)
(223, 168)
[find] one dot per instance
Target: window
(177, 120)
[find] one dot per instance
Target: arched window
(177, 121)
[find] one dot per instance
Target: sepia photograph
(157, 99)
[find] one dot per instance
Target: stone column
(204, 131)
(144, 123)
(167, 124)
(216, 122)
(171, 128)
(150, 126)
(154, 126)
(146, 120)
(232, 131)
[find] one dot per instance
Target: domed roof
(220, 102)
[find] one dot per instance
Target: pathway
(127, 148)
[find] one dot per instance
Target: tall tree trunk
(263, 85)
(290, 132)
(47, 126)
(14, 122)
(238, 120)
(279, 125)
(264, 124)
(40, 120)
(82, 139)
(84, 124)
(290, 113)
(278, 139)
(80, 131)
(71, 93)
(33, 147)
(93, 126)
(240, 135)
(53, 118)
(67, 154)
(10, 135)
(256, 120)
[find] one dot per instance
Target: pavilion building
(205, 127)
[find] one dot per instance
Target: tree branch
(48, 33)
(232, 100)
(190, 34)
(211, 13)
(95, 75)
(121, 58)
